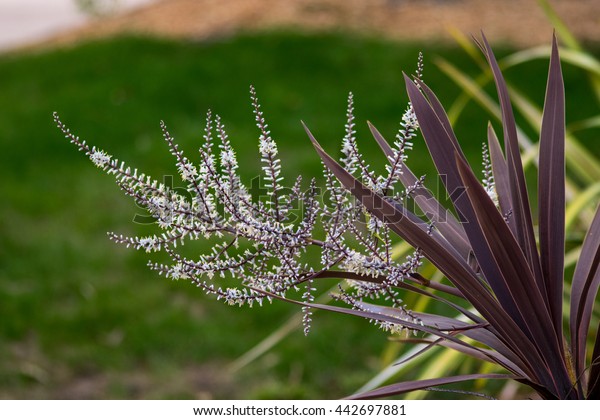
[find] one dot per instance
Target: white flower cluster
(488, 176)
(403, 143)
(149, 243)
(228, 158)
(177, 272)
(350, 155)
(233, 296)
(99, 158)
(361, 264)
(266, 243)
(188, 172)
(266, 146)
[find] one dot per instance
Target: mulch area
(521, 23)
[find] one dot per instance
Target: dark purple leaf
(419, 279)
(516, 272)
(449, 337)
(429, 346)
(440, 113)
(477, 332)
(443, 149)
(584, 288)
(487, 355)
(373, 316)
(551, 189)
(404, 223)
(401, 285)
(385, 146)
(518, 188)
(439, 322)
(594, 379)
(506, 357)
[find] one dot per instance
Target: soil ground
(521, 23)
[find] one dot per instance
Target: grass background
(81, 317)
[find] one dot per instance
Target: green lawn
(82, 317)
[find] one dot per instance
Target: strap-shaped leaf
(501, 353)
(487, 336)
(440, 113)
(594, 379)
(430, 345)
(443, 335)
(584, 288)
(404, 387)
(479, 332)
(439, 322)
(446, 223)
(373, 316)
(443, 149)
(485, 354)
(519, 280)
(452, 326)
(518, 187)
(551, 188)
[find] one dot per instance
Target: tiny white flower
(188, 172)
(267, 146)
(148, 243)
(228, 158)
(233, 296)
(491, 192)
(488, 175)
(100, 158)
(177, 272)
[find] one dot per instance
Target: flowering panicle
(352, 158)
(488, 175)
(268, 156)
(419, 72)
(403, 143)
(265, 245)
(350, 153)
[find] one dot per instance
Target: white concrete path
(26, 21)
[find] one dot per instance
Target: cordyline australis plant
(506, 289)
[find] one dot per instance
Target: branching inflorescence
(505, 289)
(265, 242)
(262, 244)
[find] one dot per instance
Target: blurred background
(81, 317)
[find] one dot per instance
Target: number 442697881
(371, 409)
